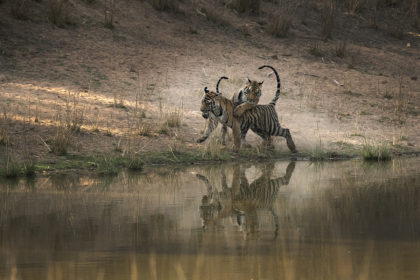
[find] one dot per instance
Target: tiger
(213, 121)
(261, 119)
(247, 98)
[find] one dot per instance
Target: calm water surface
(282, 220)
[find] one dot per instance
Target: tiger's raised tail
(276, 97)
(218, 82)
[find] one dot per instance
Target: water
(283, 220)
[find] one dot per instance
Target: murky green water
(343, 220)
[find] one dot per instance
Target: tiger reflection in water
(243, 199)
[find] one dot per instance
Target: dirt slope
(122, 84)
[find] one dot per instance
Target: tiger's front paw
(238, 111)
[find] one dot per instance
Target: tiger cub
(213, 121)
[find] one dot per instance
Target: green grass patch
(135, 163)
(12, 169)
(318, 153)
(372, 152)
(107, 165)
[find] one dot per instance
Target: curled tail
(276, 97)
(218, 82)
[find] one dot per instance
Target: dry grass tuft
(109, 14)
(396, 30)
(60, 141)
(248, 6)
(215, 16)
(11, 168)
(328, 14)
(173, 119)
(376, 152)
(355, 6)
(19, 9)
(166, 5)
(214, 148)
(144, 129)
(4, 131)
(75, 116)
(315, 50)
(280, 24)
(58, 12)
(341, 49)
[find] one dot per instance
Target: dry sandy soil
(123, 83)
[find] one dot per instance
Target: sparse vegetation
(314, 50)
(60, 141)
(166, 5)
(29, 169)
(280, 24)
(173, 119)
(19, 9)
(213, 148)
(352, 93)
(396, 30)
(247, 6)
(145, 129)
(10, 168)
(4, 131)
(135, 163)
(328, 14)
(106, 165)
(341, 49)
(318, 153)
(215, 16)
(109, 14)
(354, 6)
(58, 12)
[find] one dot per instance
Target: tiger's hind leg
(267, 142)
(289, 141)
(285, 132)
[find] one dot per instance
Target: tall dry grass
(109, 14)
(328, 14)
(19, 9)
(58, 12)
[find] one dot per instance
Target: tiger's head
(209, 105)
(251, 93)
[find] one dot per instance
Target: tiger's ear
(249, 81)
(206, 90)
(260, 84)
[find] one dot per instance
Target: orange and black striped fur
(247, 98)
(261, 119)
(213, 120)
(244, 100)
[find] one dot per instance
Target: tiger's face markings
(252, 91)
(208, 104)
